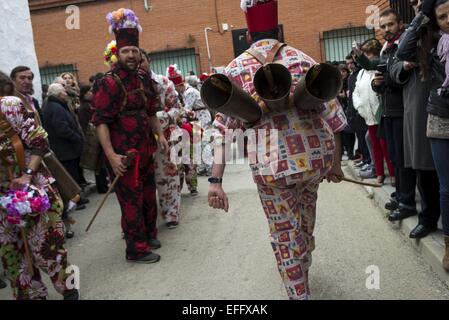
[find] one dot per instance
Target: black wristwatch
(215, 180)
(28, 171)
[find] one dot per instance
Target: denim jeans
(440, 152)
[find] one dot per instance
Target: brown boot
(446, 256)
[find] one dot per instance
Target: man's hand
(21, 183)
(118, 164)
(217, 197)
(163, 144)
(336, 175)
(378, 79)
(409, 65)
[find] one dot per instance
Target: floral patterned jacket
(34, 139)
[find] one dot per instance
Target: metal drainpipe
(147, 5)
(207, 46)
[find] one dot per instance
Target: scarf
(443, 53)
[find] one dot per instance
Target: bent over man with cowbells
(274, 86)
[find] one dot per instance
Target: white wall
(16, 40)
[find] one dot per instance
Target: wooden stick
(362, 183)
(27, 251)
(102, 202)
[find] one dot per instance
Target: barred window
(404, 8)
(338, 43)
(186, 59)
(49, 73)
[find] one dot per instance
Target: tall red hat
(261, 15)
(174, 74)
(125, 25)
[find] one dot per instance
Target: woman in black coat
(64, 135)
(428, 36)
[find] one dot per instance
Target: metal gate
(338, 43)
(186, 59)
(49, 72)
(404, 8)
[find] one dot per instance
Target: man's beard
(131, 69)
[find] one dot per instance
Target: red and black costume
(122, 101)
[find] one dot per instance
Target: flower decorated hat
(261, 15)
(125, 25)
(174, 74)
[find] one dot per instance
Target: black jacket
(391, 92)
(438, 104)
(64, 134)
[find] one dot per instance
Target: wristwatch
(28, 171)
(215, 180)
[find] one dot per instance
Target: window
(49, 73)
(404, 8)
(186, 59)
(338, 43)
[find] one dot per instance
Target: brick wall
(179, 24)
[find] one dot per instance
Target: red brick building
(174, 31)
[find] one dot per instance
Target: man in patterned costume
(125, 115)
(167, 175)
(23, 143)
(192, 102)
(307, 151)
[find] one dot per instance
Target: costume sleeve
(107, 100)
(24, 124)
(172, 105)
(189, 100)
(334, 115)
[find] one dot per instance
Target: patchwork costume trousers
(168, 187)
(290, 210)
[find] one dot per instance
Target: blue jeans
(440, 152)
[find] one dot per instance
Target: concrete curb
(431, 248)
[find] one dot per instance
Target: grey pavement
(214, 255)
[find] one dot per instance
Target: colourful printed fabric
(167, 175)
(305, 138)
(291, 212)
(45, 232)
(192, 101)
(33, 136)
(169, 102)
(168, 187)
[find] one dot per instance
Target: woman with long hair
(427, 42)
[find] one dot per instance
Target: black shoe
(80, 207)
(392, 205)
(72, 294)
(83, 201)
(69, 234)
(194, 193)
(401, 213)
(421, 231)
(148, 258)
(2, 284)
(172, 225)
(154, 243)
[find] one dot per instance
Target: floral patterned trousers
(290, 210)
(168, 187)
(45, 234)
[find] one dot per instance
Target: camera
(381, 68)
